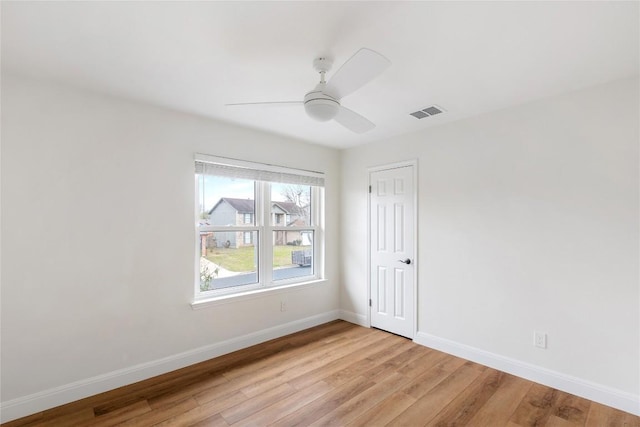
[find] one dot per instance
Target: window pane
(226, 201)
(223, 265)
(231, 230)
(290, 205)
(292, 254)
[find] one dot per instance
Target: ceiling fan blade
(360, 69)
(276, 103)
(353, 121)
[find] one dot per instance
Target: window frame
(264, 229)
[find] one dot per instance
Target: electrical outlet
(540, 339)
(283, 306)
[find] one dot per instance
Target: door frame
(370, 171)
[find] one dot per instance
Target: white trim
(368, 301)
(26, 405)
(396, 165)
(597, 392)
(416, 232)
(255, 293)
(355, 318)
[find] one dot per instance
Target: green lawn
(242, 259)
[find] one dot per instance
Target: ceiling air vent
(426, 112)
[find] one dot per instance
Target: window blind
(259, 172)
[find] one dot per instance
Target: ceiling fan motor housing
(320, 106)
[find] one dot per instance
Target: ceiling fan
(323, 102)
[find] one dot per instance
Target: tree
(301, 196)
(298, 194)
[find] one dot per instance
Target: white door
(392, 275)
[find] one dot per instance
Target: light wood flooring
(334, 374)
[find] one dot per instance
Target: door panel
(392, 284)
(399, 286)
(382, 290)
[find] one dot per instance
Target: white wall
(98, 243)
(528, 220)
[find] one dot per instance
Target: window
(258, 226)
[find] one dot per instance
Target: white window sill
(257, 293)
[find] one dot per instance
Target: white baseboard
(47, 399)
(351, 317)
(624, 401)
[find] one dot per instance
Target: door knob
(405, 261)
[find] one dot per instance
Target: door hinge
(369, 189)
(370, 304)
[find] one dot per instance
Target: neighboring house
(289, 214)
(233, 212)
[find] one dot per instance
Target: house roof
(288, 207)
(248, 206)
(241, 205)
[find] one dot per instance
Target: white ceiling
(467, 57)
